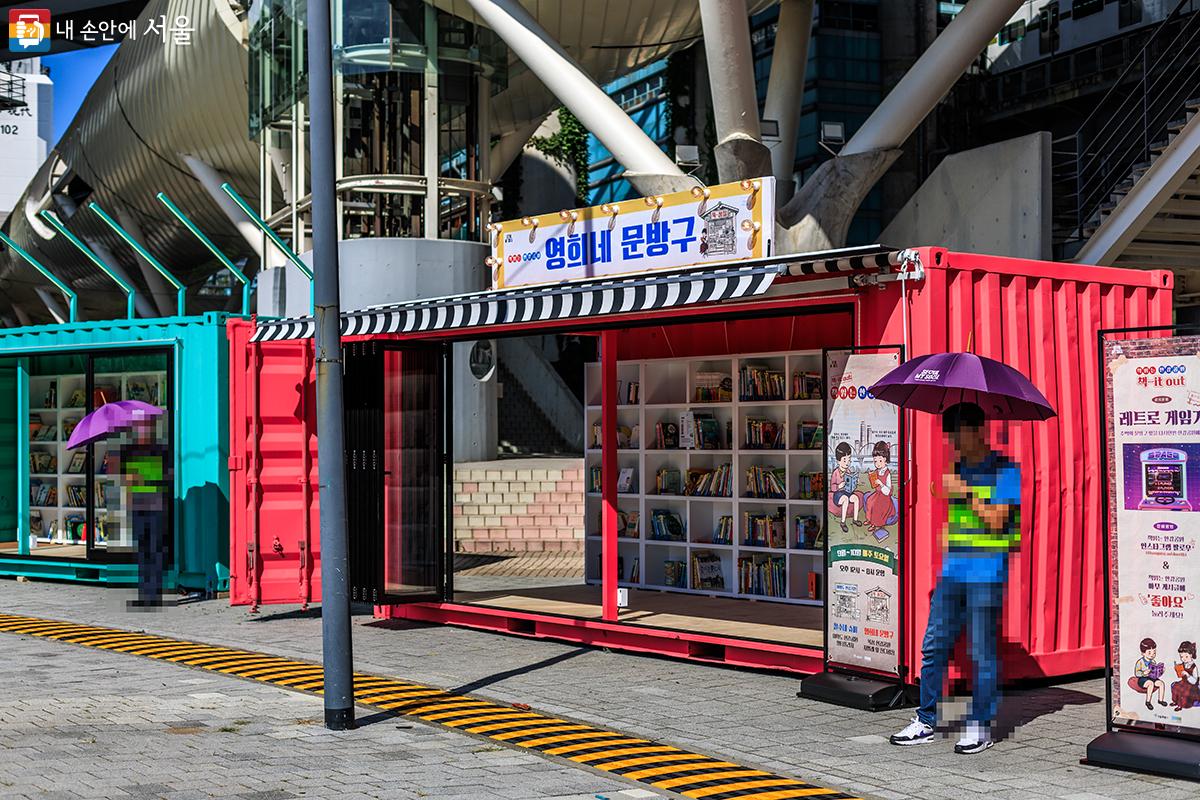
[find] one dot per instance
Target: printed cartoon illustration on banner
(728, 222)
(1153, 414)
(863, 512)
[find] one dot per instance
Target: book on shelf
(624, 436)
(766, 482)
(713, 387)
(764, 434)
(78, 462)
(138, 390)
(704, 482)
(597, 436)
(668, 481)
(707, 572)
(52, 532)
(810, 435)
(78, 399)
(43, 494)
(806, 385)
(764, 530)
(703, 431)
(36, 525)
(814, 586)
(625, 479)
(630, 530)
(807, 530)
(724, 531)
(761, 383)
(41, 462)
(594, 480)
(762, 574)
(666, 436)
(75, 527)
(68, 426)
(675, 573)
(667, 525)
(810, 486)
(635, 572)
(50, 400)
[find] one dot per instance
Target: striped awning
(558, 302)
(847, 259)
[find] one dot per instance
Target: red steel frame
(1040, 317)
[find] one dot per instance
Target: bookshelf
(58, 501)
(705, 541)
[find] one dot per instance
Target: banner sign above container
(706, 225)
(862, 513)
(1152, 399)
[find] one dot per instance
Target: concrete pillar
(740, 152)
(932, 76)
(52, 305)
(211, 180)
(785, 89)
(819, 214)
(647, 167)
(161, 292)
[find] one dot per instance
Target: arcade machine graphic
(1161, 478)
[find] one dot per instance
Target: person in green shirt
(983, 527)
(146, 494)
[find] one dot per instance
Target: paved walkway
(662, 766)
(750, 718)
(80, 723)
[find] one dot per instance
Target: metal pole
(331, 459)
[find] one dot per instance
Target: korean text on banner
(862, 514)
(735, 221)
(1153, 414)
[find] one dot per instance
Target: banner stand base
(1139, 752)
(855, 691)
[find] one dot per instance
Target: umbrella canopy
(110, 419)
(935, 382)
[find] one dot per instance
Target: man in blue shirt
(984, 493)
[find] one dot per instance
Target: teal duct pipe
(72, 298)
(130, 292)
(274, 237)
(212, 248)
(180, 289)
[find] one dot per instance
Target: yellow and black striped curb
(658, 765)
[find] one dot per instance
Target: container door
(362, 393)
(416, 464)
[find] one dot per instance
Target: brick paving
(81, 723)
(749, 717)
(514, 565)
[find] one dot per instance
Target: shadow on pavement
(1023, 707)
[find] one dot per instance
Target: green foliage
(568, 147)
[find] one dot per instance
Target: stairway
(1130, 174)
(1152, 218)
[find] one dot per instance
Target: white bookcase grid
(66, 407)
(666, 389)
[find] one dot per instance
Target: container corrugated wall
(274, 513)
(1041, 318)
(200, 378)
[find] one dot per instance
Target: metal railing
(12, 90)
(1131, 121)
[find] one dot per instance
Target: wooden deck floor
(722, 616)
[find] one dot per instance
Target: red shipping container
(1040, 317)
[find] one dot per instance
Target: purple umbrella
(110, 419)
(935, 382)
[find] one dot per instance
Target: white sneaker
(975, 739)
(916, 732)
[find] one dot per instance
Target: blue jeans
(954, 602)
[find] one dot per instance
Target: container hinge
(236, 463)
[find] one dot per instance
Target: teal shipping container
(62, 512)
